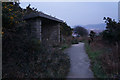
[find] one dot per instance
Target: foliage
(112, 32)
(11, 14)
(80, 31)
(12, 35)
(104, 58)
(64, 46)
(112, 36)
(96, 65)
(92, 35)
(66, 33)
(65, 30)
(49, 63)
(75, 41)
(24, 56)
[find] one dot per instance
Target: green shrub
(54, 64)
(64, 46)
(98, 71)
(74, 41)
(96, 65)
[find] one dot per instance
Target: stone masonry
(47, 29)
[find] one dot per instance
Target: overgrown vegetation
(24, 56)
(80, 31)
(96, 65)
(104, 51)
(65, 29)
(66, 36)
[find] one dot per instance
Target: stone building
(46, 27)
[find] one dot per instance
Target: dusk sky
(77, 13)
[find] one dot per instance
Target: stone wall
(35, 25)
(46, 31)
(51, 33)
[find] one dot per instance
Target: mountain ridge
(95, 27)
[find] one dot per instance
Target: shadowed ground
(0, 58)
(80, 63)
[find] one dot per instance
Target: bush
(75, 40)
(64, 46)
(41, 62)
(112, 32)
(80, 31)
(65, 30)
(96, 64)
(23, 56)
(50, 64)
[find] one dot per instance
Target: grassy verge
(64, 46)
(95, 62)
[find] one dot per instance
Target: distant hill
(101, 26)
(95, 27)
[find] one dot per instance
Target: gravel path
(80, 63)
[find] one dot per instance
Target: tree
(65, 29)
(80, 31)
(112, 32)
(92, 35)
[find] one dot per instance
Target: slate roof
(42, 15)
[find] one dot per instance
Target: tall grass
(96, 65)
